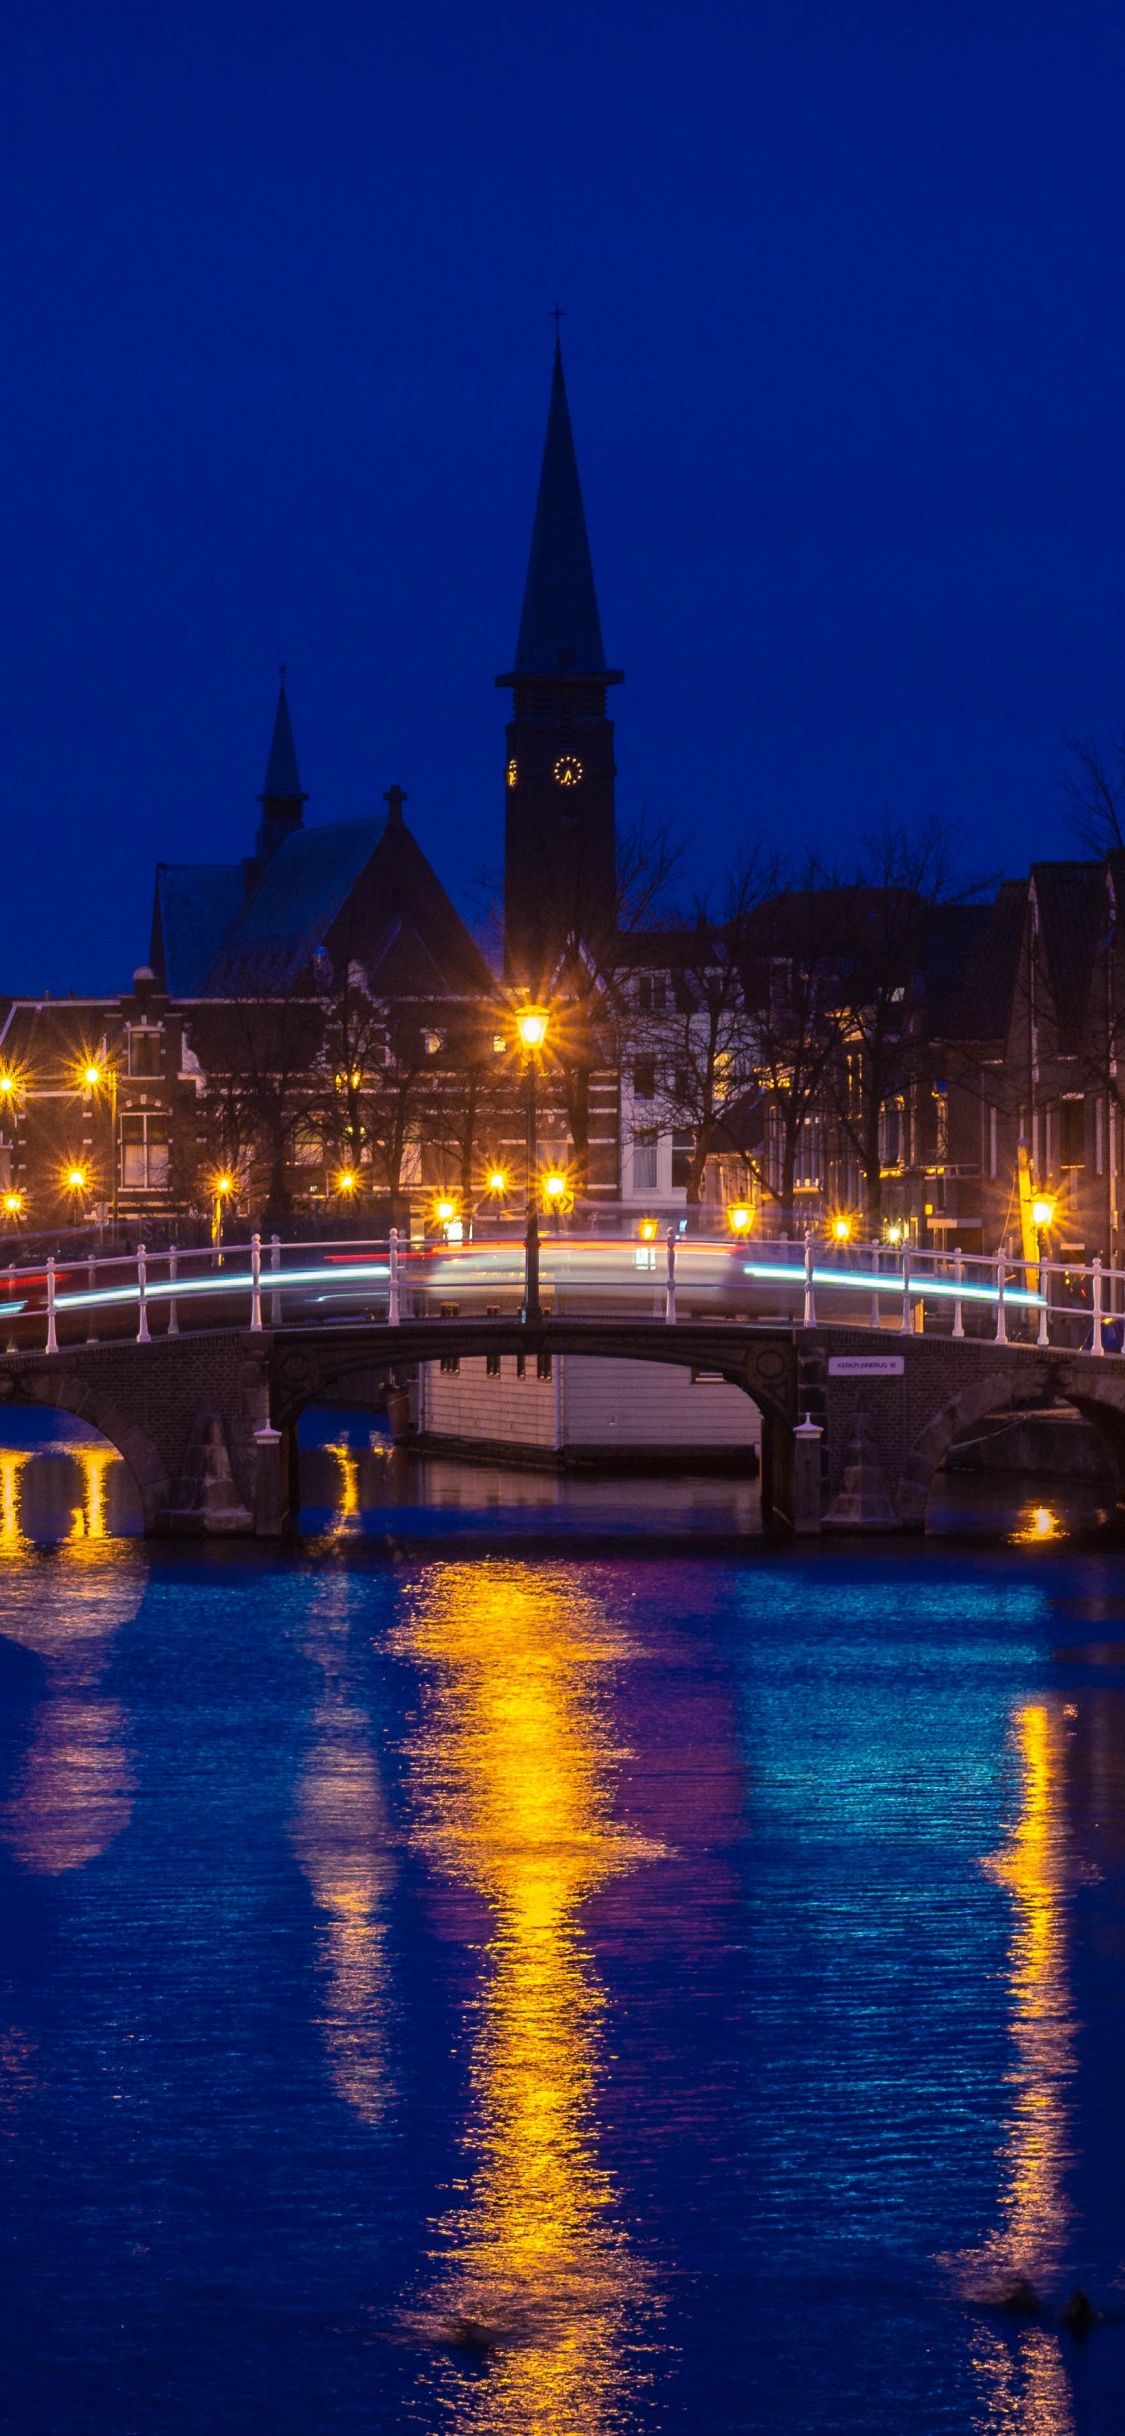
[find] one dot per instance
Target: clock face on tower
(568, 771)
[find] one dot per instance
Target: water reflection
(341, 1839)
(514, 1774)
(1025, 2384)
(12, 1461)
(72, 1794)
(1036, 1524)
(346, 1516)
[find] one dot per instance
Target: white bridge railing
(618, 1262)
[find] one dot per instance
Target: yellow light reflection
(341, 1839)
(1038, 1523)
(93, 1463)
(12, 1461)
(347, 1514)
(1024, 2381)
(514, 1774)
(73, 1793)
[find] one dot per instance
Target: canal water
(517, 1995)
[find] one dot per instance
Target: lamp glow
(740, 1218)
(648, 1230)
(841, 1229)
(224, 1184)
(76, 1179)
(531, 1024)
(346, 1181)
(444, 1211)
(7, 1084)
(554, 1187)
(13, 1205)
(1043, 1210)
(497, 1182)
(91, 1076)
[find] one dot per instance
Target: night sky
(844, 344)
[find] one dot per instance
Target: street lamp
(222, 1189)
(740, 1218)
(13, 1205)
(842, 1229)
(95, 1078)
(531, 1025)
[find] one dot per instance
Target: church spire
(559, 628)
(282, 797)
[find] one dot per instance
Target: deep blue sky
(846, 359)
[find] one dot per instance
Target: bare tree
(695, 1059)
(791, 995)
(1096, 789)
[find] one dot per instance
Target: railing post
(52, 1339)
(91, 1282)
(958, 1274)
(532, 1307)
(1098, 1346)
(907, 1314)
(275, 1298)
(142, 1293)
(173, 1307)
(255, 1285)
(876, 1320)
(1001, 1313)
(810, 1297)
(11, 1299)
(393, 1313)
(670, 1293)
(1044, 1337)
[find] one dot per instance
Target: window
(1073, 1133)
(144, 1154)
(644, 1163)
(644, 1078)
(144, 1052)
(683, 1156)
(644, 993)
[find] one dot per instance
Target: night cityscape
(562, 1261)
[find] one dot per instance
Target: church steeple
(560, 627)
(560, 853)
(282, 798)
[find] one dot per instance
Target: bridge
(205, 1414)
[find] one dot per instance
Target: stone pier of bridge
(207, 1422)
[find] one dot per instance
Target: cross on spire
(394, 799)
(556, 315)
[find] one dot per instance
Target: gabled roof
(979, 1008)
(1073, 918)
(195, 906)
(292, 909)
(559, 628)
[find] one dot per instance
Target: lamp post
(531, 1024)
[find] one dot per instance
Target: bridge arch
(1100, 1400)
(69, 1392)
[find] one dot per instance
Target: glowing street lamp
(346, 1181)
(554, 1186)
(13, 1205)
(221, 1190)
(497, 1181)
(648, 1230)
(1043, 1211)
(76, 1179)
(842, 1229)
(531, 1024)
(740, 1218)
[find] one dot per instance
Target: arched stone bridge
(207, 1422)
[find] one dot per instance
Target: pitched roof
(293, 906)
(559, 628)
(195, 906)
(979, 1008)
(1073, 914)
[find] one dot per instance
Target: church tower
(559, 844)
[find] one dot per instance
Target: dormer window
(144, 1051)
